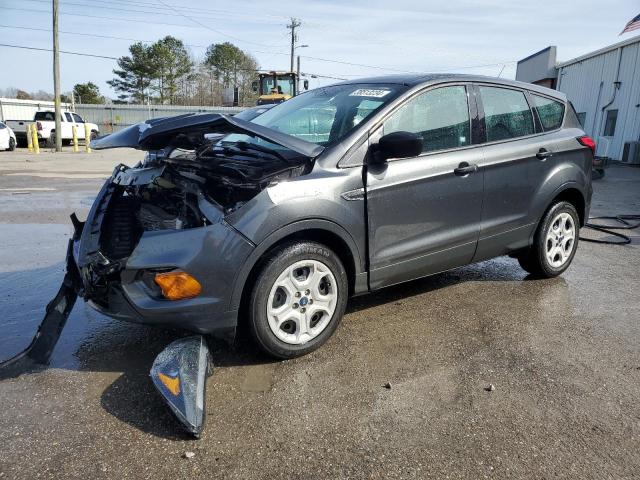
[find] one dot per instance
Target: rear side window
(506, 113)
(44, 116)
(440, 116)
(549, 111)
(68, 115)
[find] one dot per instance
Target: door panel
(511, 167)
(423, 218)
(423, 215)
(511, 172)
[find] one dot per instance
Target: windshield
(326, 115)
(284, 85)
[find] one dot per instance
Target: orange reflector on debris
(172, 384)
(178, 285)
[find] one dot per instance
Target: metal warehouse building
(604, 87)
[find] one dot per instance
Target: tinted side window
(68, 115)
(550, 112)
(440, 116)
(44, 116)
(78, 118)
(506, 113)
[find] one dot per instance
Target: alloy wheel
(302, 301)
(560, 240)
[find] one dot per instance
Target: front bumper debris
(56, 313)
(180, 373)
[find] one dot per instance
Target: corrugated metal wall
(589, 85)
(109, 118)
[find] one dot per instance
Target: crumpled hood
(187, 131)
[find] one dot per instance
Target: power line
(66, 32)
(204, 25)
(340, 62)
(61, 51)
(198, 10)
(119, 8)
(102, 17)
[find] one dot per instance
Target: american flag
(633, 24)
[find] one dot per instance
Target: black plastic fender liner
(57, 311)
(180, 373)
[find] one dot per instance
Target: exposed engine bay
(185, 189)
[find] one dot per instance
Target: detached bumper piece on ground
(180, 373)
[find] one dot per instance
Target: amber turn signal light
(178, 285)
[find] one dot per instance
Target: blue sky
(403, 35)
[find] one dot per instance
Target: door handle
(543, 154)
(465, 168)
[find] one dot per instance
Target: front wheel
(555, 242)
(12, 144)
(298, 299)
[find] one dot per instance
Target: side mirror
(254, 86)
(398, 145)
(306, 84)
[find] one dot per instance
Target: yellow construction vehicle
(276, 87)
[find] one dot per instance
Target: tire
(555, 242)
(93, 135)
(298, 299)
(12, 144)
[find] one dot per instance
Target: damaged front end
(167, 215)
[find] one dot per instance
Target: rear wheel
(555, 242)
(298, 299)
(12, 144)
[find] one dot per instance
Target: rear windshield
(45, 116)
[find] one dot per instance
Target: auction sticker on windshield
(369, 92)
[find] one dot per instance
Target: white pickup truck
(46, 127)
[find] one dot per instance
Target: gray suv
(340, 191)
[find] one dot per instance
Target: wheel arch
(322, 231)
(575, 197)
(570, 192)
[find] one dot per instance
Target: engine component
(152, 217)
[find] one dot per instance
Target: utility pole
(298, 76)
(56, 77)
(295, 23)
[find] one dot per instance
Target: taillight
(39, 125)
(587, 141)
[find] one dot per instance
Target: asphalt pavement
(400, 391)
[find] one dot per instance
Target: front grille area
(120, 232)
